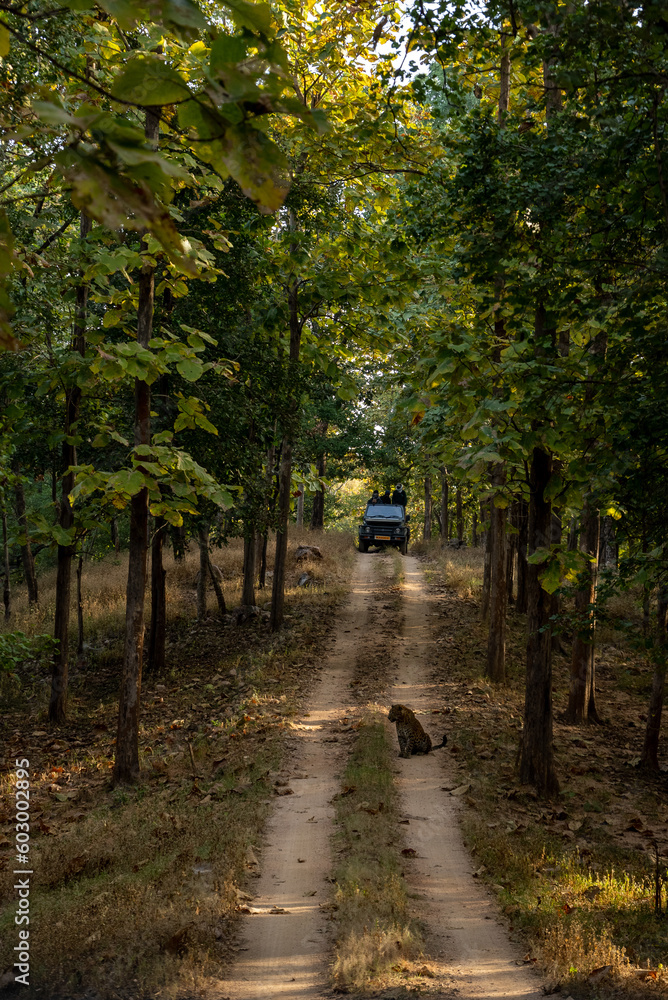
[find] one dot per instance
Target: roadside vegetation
(137, 888)
(375, 926)
(577, 875)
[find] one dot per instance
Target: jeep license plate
(383, 538)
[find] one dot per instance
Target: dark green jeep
(384, 524)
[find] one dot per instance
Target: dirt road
(285, 954)
(468, 948)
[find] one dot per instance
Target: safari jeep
(384, 524)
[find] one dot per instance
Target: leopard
(411, 735)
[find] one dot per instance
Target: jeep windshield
(385, 511)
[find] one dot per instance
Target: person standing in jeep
(399, 495)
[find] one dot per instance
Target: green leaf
(63, 536)
(226, 50)
(256, 16)
(148, 80)
(190, 369)
(539, 556)
(4, 40)
(257, 164)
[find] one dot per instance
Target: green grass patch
(375, 928)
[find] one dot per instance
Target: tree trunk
(156, 636)
(607, 554)
(521, 604)
(115, 538)
(487, 566)
(474, 530)
(555, 540)
(178, 537)
(573, 535)
(80, 621)
(126, 767)
(26, 551)
(427, 509)
(444, 506)
(496, 638)
(203, 543)
(504, 83)
(262, 579)
(318, 510)
(650, 752)
(511, 548)
(581, 695)
(248, 591)
(59, 674)
(217, 588)
(280, 559)
(536, 754)
(6, 590)
(300, 507)
(281, 554)
(460, 515)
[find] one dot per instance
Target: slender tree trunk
(262, 579)
(6, 590)
(460, 515)
(444, 505)
(60, 668)
(427, 508)
(504, 83)
(581, 695)
(156, 636)
(178, 537)
(607, 555)
(203, 543)
(573, 535)
(496, 639)
(521, 603)
(284, 484)
(650, 752)
(487, 565)
(555, 539)
(26, 550)
(318, 512)
(536, 754)
(80, 619)
(115, 537)
(126, 767)
(248, 592)
(474, 530)
(511, 549)
(300, 507)
(217, 588)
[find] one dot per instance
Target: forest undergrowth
(136, 889)
(576, 876)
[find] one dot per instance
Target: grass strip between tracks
(375, 929)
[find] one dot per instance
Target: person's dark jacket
(385, 497)
(399, 496)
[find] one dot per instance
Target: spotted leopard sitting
(411, 735)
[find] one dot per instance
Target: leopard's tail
(439, 746)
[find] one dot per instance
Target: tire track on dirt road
(468, 948)
(286, 954)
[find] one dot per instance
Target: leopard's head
(399, 713)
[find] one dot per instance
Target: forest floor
(253, 744)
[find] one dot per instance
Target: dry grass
(460, 570)
(104, 583)
(374, 925)
(134, 892)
